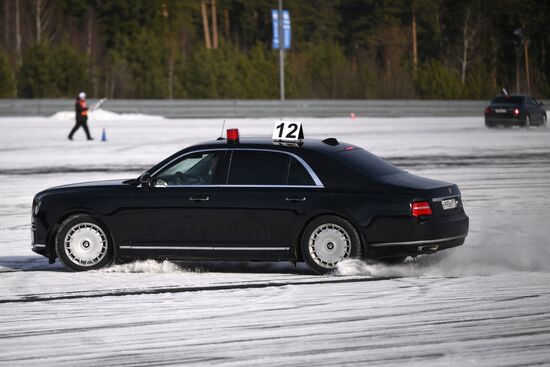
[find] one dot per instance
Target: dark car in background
(515, 110)
(252, 199)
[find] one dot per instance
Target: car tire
(527, 122)
(543, 124)
(488, 125)
(328, 240)
(82, 243)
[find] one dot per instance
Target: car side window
(193, 169)
(298, 175)
(249, 167)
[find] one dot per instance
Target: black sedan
(318, 201)
(515, 110)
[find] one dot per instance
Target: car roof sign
(288, 131)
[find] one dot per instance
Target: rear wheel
(327, 241)
(543, 121)
(82, 243)
(527, 122)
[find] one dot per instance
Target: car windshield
(366, 163)
(507, 100)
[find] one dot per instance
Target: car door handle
(199, 198)
(295, 198)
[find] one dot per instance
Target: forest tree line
(430, 49)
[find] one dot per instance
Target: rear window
(507, 100)
(367, 163)
(297, 174)
(258, 168)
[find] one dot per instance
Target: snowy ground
(486, 303)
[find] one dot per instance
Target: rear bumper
(504, 121)
(413, 237)
(415, 249)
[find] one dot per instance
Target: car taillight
(515, 112)
(421, 208)
(487, 109)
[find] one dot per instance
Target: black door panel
(165, 217)
(260, 223)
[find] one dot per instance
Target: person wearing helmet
(81, 116)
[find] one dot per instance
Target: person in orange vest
(81, 116)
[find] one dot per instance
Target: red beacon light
(232, 135)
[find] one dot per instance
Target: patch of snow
(482, 304)
(102, 115)
(144, 266)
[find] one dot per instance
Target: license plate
(449, 204)
(500, 110)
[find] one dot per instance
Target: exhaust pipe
(428, 249)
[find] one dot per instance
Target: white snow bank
(100, 115)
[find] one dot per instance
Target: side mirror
(145, 181)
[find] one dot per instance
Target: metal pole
(281, 53)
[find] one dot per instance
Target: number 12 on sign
(288, 131)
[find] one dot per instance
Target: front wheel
(327, 241)
(82, 243)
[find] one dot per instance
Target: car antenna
(221, 133)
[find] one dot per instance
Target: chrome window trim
(381, 244)
(243, 186)
(312, 174)
(209, 248)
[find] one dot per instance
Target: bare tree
(91, 46)
(17, 33)
(166, 13)
(38, 19)
(415, 49)
(526, 60)
(205, 26)
(214, 25)
(44, 21)
(226, 23)
(469, 33)
(6, 25)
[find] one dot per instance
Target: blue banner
(286, 29)
(275, 21)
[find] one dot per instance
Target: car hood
(93, 184)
